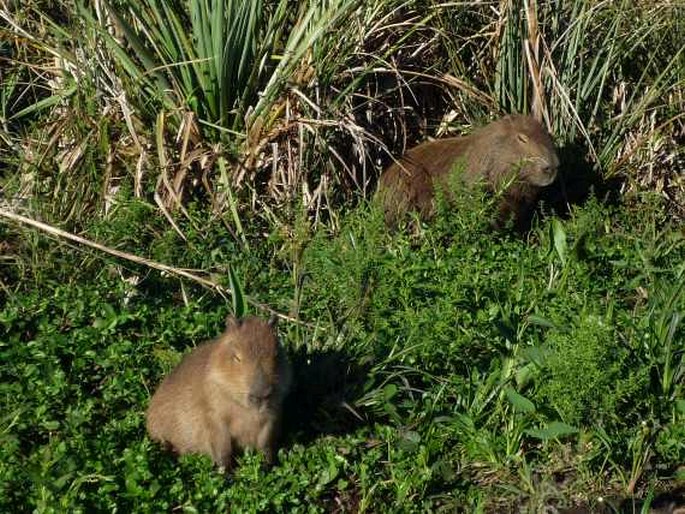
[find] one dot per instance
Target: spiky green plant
(227, 61)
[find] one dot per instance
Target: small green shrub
(585, 373)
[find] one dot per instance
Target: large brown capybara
(225, 395)
(514, 155)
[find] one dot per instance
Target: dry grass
(390, 75)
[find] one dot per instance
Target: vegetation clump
(163, 164)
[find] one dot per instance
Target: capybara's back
(514, 149)
(176, 412)
(226, 394)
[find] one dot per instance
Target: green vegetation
(232, 145)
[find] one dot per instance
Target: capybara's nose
(260, 391)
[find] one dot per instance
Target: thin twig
(141, 260)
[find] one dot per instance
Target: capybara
(225, 395)
(514, 154)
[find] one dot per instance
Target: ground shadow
(324, 388)
(671, 502)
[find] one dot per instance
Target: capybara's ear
(273, 321)
(232, 321)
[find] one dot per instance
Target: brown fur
(226, 394)
(515, 151)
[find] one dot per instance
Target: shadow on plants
(672, 502)
(402, 113)
(577, 182)
(323, 388)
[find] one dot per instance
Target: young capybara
(514, 153)
(226, 394)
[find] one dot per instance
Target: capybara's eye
(236, 357)
(523, 138)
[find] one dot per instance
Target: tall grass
(580, 65)
(309, 99)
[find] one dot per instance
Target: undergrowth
(441, 367)
(451, 367)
